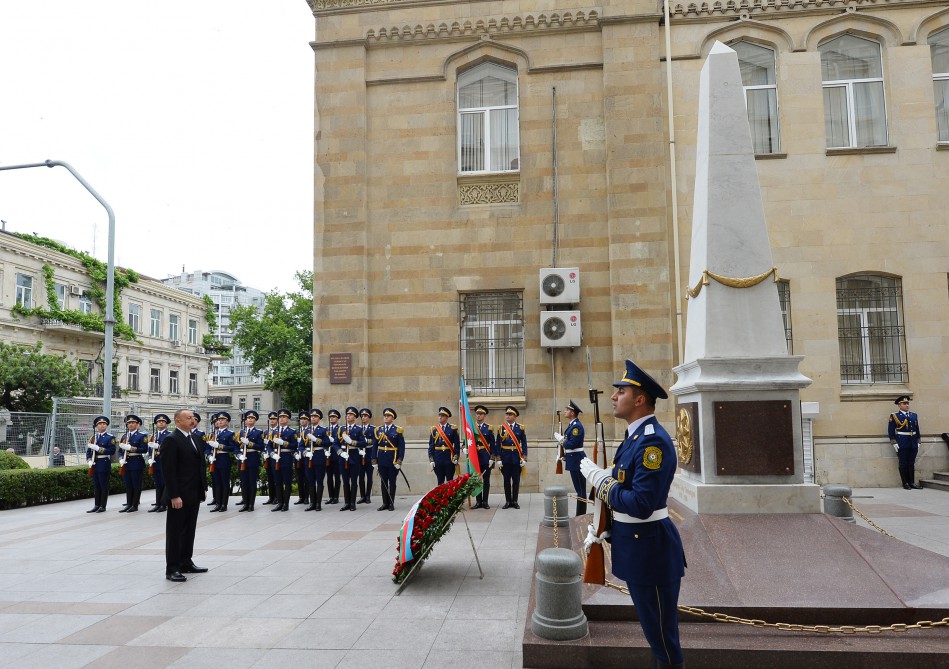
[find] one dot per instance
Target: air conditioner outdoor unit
(560, 329)
(200, 349)
(176, 343)
(559, 285)
(75, 290)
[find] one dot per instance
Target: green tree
(278, 342)
(29, 378)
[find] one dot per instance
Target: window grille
(492, 343)
(870, 330)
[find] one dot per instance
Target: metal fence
(69, 426)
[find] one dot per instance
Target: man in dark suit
(186, 487)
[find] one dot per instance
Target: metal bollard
(563, 513)
(558, 614)
(834, 505)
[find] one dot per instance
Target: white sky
(193, 119)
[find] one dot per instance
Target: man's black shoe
(94, 509)
(176, 576)
(194, 569)
(485, 506)
(915, 487)
(515, 505)
(507, 505)
(391, 508)
(299, 501)
(907, 486)
(154, 509)
(101, 509)
(384, 507)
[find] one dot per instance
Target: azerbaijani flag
(467, 426)
(408, 525)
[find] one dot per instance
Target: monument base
(746, 498)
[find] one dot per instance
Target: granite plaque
(341, 368)
(754, 438)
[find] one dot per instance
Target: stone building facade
(462, 148)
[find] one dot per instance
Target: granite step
(941, 476)
(937, 483)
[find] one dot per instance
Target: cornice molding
(745, 8)
(518, 24)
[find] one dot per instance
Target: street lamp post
(108, 318)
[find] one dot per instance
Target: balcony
(61, 327)
(219, 400)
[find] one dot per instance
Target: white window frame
(24, 292)
(848, 86)
(154, 380)
(173, 382)
(173, 320)
(193, 331)
(861, 319)
(940, 79)
(132, 377)
(60, 290)
(155, 323)
(192, 383)
(774, 119)
(85, 303)
(485, 338)
(468, 77)
(135, 317)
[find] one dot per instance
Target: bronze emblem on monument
(687, 436)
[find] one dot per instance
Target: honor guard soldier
(646, 549)
(512, 443)
(134, 443)
(487, 454)
(572, 443)
(269, 434)
(352, 449)
(251, 439)
(390, 450)
(365, 476)
(333, 467)
(218, 447)
(197, 434)
(443, 447)
(316, 457)
(160, 422)
(98, 457)
(285, 448)
(903, 429)
(303, 490)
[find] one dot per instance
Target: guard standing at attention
(512, 443)
(218, 448)
(285, 447)
(443, 446)
(134, 443)
(317, 456)
(269, 434)
(98, 457)
(646, 549)
(572, 442)
(160, 422)
(365, 477)
(352, 449)
(903, 429)
(251, 439)
(487, 454)
(333, 467)
(303, 488)
(390, 450)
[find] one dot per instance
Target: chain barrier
(864, 516)
(556, 524)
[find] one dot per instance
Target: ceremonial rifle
(560, 453)
(594, 571)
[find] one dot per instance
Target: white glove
(308, 454)
(362, 452)
(245, 441)
(210, 459)
(432, 465)
(124, 447)
(523, 463)
(491, 464)
(241, 458)
(332, 441)
(347, 438)
(297, 456)
(214, 444)
(89, 462)
(454, 461)
(279, 441)
(310, 437)
(344, 455)
(273, 455)
(372, 464)
(558, 436)
(593, 474)
(562, 459)
(592, 538)
(151, 461)
(122, 462)
(327, 452)
(398, 466)
(97, 449)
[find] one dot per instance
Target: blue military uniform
(98, 455)
(134, 444)
(251, 440)
(284, 461)
(316, 457)
(268, 435)
(487, 455)
(646, 551)
(303, 486)
(365, 477)
(155, 461)
(219, 446)
(512, 445)
(443, 448)
(333, 467)
(903, 430)
(573, 454)
(351, 455)
(390, 450)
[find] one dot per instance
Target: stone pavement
(295, 588)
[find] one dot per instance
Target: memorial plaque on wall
(341, 367)
(754, 438)
(687, 437)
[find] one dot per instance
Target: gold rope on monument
(745, 282)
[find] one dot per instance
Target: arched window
(939, 51)
(854, 104)
(870, 329)
(488, 139)
(757, 65)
